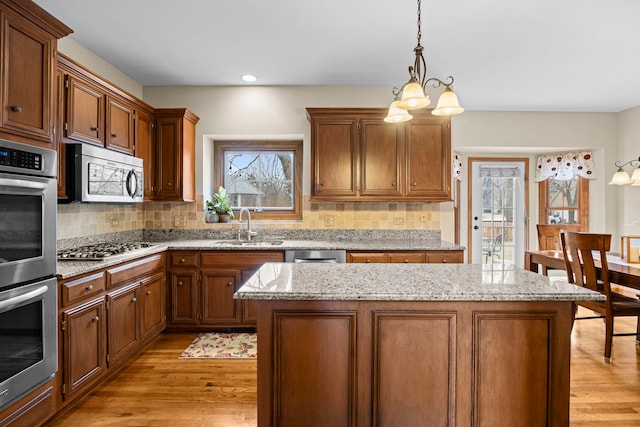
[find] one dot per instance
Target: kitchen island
(411, 345)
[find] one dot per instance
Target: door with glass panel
(498, 215)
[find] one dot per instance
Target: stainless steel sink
(236, 242)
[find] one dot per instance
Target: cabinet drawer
(183, 259)
(407, 257)
(78, 289)
(444, 257)
(240, 258)
(367, 257)
(125, 272)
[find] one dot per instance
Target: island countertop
(406, 282)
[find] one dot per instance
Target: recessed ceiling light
(249, 78)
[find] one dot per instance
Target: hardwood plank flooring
(158, 389)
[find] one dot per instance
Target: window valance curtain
(565, 166)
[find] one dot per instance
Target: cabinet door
(334, 147)
(169, 155)
(153, 306)
(380, 159)
(218, 305)
(27, 79)
(84, 121)
(124, 322)
(84, 345)
(367, 257)
(407, 257)
(428, 158)
(146, 150)
(184, 297)
(119, 134)
(249, 306)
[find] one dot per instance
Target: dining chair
(493, 248)
(549, 238)
(578, 250)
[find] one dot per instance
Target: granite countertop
(406, 282)
(283, 245)
(69, 268)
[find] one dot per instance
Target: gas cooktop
(103, 251)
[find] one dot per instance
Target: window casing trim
(295, 146)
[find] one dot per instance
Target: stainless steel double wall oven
(28, 288)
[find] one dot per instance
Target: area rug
(222, 345)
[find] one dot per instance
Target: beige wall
(99, 66)
(628, 207)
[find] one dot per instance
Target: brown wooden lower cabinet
(368, 363)
(202, 284)
(106, 317)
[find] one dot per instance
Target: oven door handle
(11, 303)
(12, 183)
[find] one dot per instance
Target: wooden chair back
(549, 235)
(578, 250)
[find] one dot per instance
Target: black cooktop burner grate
(101, 251)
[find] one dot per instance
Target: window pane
(260, 179)
(564, 216)
(563, 194)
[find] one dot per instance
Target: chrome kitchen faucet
(250, 233)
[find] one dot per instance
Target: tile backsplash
(83, 220)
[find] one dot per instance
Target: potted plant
(221, 204)
(210, 215)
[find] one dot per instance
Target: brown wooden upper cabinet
(97, 112)
(355, 155)
(175, 150)
(27, 82)
(92, 110)
(84, 111)
(120, 125)
(145, 138)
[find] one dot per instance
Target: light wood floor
(158, 389)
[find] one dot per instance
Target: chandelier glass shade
(413, 94)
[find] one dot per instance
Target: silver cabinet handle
(16, 108)
(134, 299)
(89, 288)
(95, 319)
(148, 293)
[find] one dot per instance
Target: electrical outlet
(178, 221)
(114, 222)
(398, 221)
(329, 221)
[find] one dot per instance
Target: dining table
(620, 272)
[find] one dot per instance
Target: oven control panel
(20, 159)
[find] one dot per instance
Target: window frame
(583, 203)
(295, 146)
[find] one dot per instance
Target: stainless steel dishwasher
(335, 256)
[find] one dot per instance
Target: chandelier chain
(419, 22)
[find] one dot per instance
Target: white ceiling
(543, 55)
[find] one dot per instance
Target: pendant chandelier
(621, 177)
(413, 94)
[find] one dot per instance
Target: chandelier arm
(631, 162)
(439, 82)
